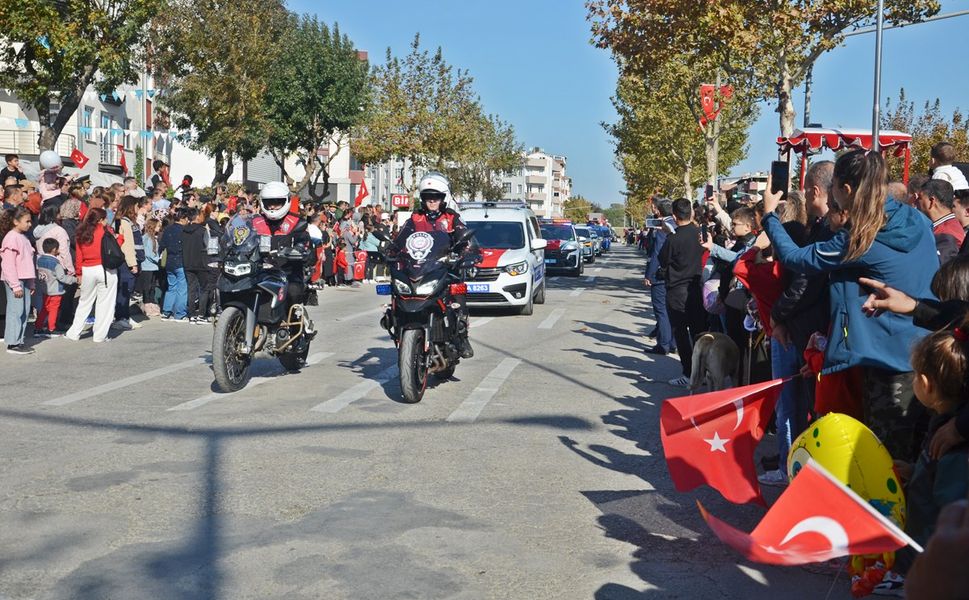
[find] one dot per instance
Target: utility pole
(876, 107)
(808, 80)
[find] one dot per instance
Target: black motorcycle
(256, 314)
(422, 317)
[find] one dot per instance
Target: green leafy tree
(928, 127)
(215, 60)
(773, 44)
(577, 208)
(423, 111)
(493, 151)
(318, 91)
(51, 52)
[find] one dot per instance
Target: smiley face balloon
(854, 456)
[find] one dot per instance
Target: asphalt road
(535, 473)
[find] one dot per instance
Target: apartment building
(542, 183)
(107, 129)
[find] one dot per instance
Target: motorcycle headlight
(238, 269)
(402, 287)
(427, 288)
(517, 268)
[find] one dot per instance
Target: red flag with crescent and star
(817, 518)
(707, 101)
(710, 438)
(361, 194)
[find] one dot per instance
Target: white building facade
(542, 183)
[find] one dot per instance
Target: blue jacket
(171, 240)
(903, 256)
(659, 238)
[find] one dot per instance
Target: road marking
(481, 321)
(123, 383)
(598, 269)
(372, 311)
(590, 279)
(348, 397)
(472, 406)
(549, 321)
(255, 381)
(576, 292)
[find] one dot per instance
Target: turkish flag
(707, 93)
(726, 91)
(816, 519)
(124, 163)
(363, 193)
(79, 159)
(710, 438)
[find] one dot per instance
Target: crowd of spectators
(856, 288)
(79, 258)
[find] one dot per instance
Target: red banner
(707, 101)
(363, 193)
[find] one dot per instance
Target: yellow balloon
(854, 456)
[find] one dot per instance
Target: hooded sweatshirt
(903, 256)
(55, 231)
(953, 175)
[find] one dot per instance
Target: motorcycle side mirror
(380, 235)
(464, 236)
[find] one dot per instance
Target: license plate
(549, 261)
(383, 289)
(478, 288)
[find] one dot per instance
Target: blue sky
(533, 65)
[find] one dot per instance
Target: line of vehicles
(514, 253)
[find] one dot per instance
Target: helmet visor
(272, 203)
(432, 196)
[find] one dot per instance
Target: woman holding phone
(884, 240)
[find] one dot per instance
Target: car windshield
(583, 232)
(498, 235)
(557, 232)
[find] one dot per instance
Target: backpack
(111, 255)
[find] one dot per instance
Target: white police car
(512, 268)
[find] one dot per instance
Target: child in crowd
(53, 278)
(940, 363)
(17, 271)
(148, 280)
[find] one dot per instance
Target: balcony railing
(24, 141)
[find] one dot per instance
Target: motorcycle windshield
(240, 238)
(423, 252)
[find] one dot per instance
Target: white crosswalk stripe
(471, 408)
(123, 383)
(355, 393)
(549, 321)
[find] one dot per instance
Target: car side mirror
(538, 244)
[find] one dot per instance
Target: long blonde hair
(867, 175)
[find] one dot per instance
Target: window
(87, 120)
(128, 135)
(498, 235)
(108, 139)
(399, 175)
(506, 187)
(519, 188)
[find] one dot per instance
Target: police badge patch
(419, 245)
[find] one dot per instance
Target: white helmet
(50, 159)
(434, 185)
(274, 200)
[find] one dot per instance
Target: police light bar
(556, 221)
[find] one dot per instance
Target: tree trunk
(688, 180)
(785, 106)
(223, 167)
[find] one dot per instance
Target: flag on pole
(362, 193)
(817, 518)
(79, 159)
(710, 438)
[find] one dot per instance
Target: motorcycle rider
(435, 215)
(290, 237)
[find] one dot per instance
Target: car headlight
(517, 268)
(402, 287)
(428, 287)
(237, 269)
(569, 246)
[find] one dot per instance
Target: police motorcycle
(255, 311)
(421, 317)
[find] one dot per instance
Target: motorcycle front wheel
(413, 365)
(229, 362)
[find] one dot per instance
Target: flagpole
(876, 106)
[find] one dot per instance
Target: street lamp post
(876, 107)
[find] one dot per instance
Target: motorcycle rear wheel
(230, 364)
(412, 365)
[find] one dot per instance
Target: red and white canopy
(815, 139)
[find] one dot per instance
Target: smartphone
(703, 231)
(780, 175)
(708, 193)
(654, 223)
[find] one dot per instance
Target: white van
(512, 270)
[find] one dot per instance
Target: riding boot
(464, 345)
